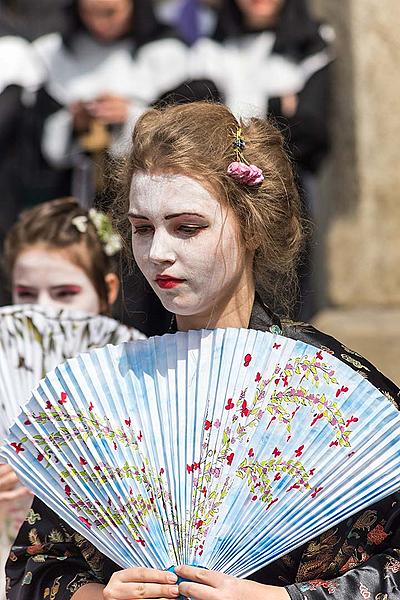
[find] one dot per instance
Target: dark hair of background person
(145, 26)
(50, 224)
(297, 33)
(31, 19)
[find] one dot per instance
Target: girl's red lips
(167, 282)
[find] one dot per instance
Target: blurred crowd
(75, 75)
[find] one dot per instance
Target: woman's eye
(191, 229)
(25, 295)
(142, 229)
(68, 292)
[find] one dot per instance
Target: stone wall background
(360, 185)
(359, 215)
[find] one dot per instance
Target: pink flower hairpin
(248, 174)
(240, 169)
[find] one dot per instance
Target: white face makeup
(47, 278)
(186, 243)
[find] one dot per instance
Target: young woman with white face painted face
(219, 247)
(188, 246)
(55, 257)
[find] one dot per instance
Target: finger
(21, 492)
(144, 575)
(203, 576)
(5, 469)
(123, 591)
(8, 481)
(196, 591)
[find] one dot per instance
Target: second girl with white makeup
(54, 257)
(218, 241)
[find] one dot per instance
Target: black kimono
(358, 558)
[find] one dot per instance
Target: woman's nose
(161, 250)
(45, 299)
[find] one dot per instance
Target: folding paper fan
(224, 449)
(35, 339)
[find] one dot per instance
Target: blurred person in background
(271, 57)
(20, 75)
(58, 255)
(191, 18)
(112, 62)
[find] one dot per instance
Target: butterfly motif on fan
(224, 449)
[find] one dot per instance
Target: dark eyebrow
(183, 214)
(65, 285)
(131, 214)
(168, 217)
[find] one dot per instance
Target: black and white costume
(256, 69)
(21, 74)
(138, 67)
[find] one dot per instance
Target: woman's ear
(112, 284)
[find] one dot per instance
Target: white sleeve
(162, 65)
(20, 64)
(207, 61)
(122, 139)
(58, 143)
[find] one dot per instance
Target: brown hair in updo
(50, 225)
(196, 140)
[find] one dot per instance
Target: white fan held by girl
(224, 449)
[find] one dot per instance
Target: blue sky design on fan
(224, 448)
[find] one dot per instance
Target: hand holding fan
(224, 449)
(35, 339)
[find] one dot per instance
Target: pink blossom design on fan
(260, 476)
(286, 399)
(94, 514)
(134, 512)
(80, 425)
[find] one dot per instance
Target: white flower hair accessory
(109, 239)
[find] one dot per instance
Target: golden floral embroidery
(350, 351)
(32, 517)
(51, 593)
(55, 536)
(366, 520)
(318, 555)
(93, 557)
(354, 362)
(78, 581)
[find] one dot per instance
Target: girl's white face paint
(47, 278)
(186, 243)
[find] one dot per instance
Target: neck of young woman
(234, 311)
(256, 23)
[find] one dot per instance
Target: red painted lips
(165, 282)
